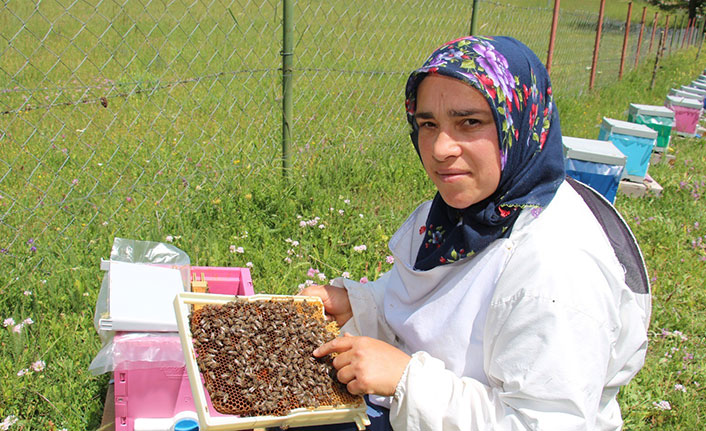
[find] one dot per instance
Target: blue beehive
(596, 163)
(636, 141)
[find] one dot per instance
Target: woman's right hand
(336, 303)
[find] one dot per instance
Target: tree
(694, 7)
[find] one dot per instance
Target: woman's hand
(335, 299)
(366, 365)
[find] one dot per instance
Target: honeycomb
(256, 357)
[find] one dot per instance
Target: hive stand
(647, 187)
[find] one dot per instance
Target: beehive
(253, 357)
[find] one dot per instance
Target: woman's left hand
(366, 365)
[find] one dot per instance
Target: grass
(188, 147)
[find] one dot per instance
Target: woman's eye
(470, 122)
(426, 125)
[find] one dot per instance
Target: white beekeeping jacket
(538, 331)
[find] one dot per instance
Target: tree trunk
(693, 5)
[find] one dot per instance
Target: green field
(188, 146)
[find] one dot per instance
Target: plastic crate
(658, 118)
(224, 280)
(156, 395)
(598, 164)
(636, 141)
(152, 396)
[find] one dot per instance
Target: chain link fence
(115, 113)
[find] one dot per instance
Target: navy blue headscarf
(516, 85)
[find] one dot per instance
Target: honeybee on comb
(256, 357)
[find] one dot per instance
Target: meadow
(187, 152)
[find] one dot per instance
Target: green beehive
(657, 118)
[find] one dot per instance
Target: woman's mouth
(451, 176)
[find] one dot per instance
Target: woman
(506, 307)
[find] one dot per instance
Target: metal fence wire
(116, 113)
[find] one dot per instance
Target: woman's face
(458, 140)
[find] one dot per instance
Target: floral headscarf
(517, 87)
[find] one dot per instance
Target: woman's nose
(445, 146)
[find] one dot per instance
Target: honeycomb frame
(212, 420)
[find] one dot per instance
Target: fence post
(663, 39)
(654, 30)
(552, 36)
(660, 49)
(625, 41)
(639, 38)
(701, 35)
(666, 35)
(287, 63)
(685, 34)
(685, 39)
(473, 17)
(596, 47)
(675, 35)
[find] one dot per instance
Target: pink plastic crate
(154, 395)
(224, 280)
(149, 395)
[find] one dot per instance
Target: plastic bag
(661, 125)
(138, 350)
(602, 177)
(133, 251)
